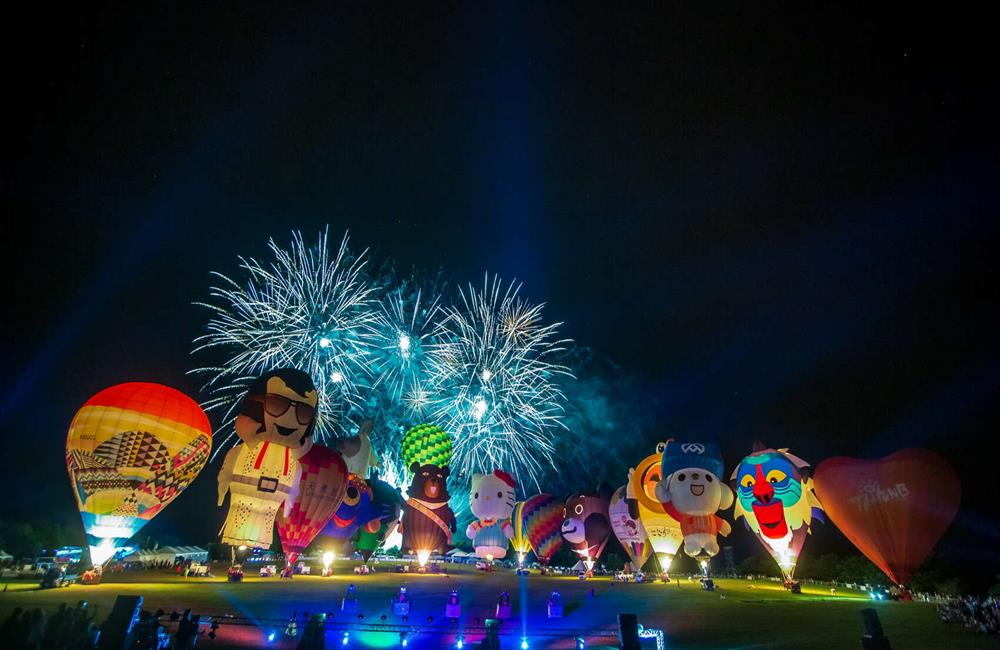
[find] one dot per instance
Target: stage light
(460, 643)
(347, 637)
(580, 643)
(270, 637)
(524, 643)
(403, 641)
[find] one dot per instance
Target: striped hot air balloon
(519, 542)
(542, 518)
(317, 496)
(131, 449)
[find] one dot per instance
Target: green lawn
(742, 614)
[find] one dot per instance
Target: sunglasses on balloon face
(278, 405)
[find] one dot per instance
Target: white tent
(5, 556)
(168, 554)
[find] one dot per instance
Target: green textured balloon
(427, 444)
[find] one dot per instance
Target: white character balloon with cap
(692, 493)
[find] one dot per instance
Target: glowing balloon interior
(131, 449)
(893, 509)
(777, 502)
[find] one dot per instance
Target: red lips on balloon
(893, 509)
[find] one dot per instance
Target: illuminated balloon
(320, 490)
(130, 450)
(355, 511)
(387, 504)
(491, 499)
(777, 502)
(519, 540)
(628, 529)
(357, 450)
(663, 531)
(893, 509)
(426, 444)
(541, 518)
(428, 523)
(586, 527)
(275, 423)
(692, 492)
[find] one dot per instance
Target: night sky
(779, 223)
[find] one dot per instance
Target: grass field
(741, 614)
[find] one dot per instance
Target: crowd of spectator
(71, 628)
(979, 614)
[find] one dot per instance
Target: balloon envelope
(663, 531)
(426, 444)
(519, 542)
(387, 504)
(131, 449)
(893, 509)
(628, 529)
(541, 518)
(320, 491)
(775, 497)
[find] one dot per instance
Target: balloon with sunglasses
(131, 450)
(275, 423)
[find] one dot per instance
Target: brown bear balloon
(586, 527)
(428, 522)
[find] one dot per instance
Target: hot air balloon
(541, 518)
(692, 492)
(131, 449)
(893, 509)
(428, 523)
(354, 511)
(628, 529)
(319, 492)
(663, 531)
(275, 423)
(426, 444)
(491, 499)
(519, 541)
(387, 503)
(777, 502)
(357, 450)
(586, 527)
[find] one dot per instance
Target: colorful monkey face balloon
(777, 502)
(280, 408)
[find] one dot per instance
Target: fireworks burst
(307, 310)
(492, 382)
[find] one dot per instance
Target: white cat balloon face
(492, 495)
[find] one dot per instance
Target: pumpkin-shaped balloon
(319, 492)
(131, 449)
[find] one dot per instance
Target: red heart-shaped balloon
(893, 509)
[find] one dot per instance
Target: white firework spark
(493, 382)
(306, 309)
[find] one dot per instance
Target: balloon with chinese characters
(131, 450)
(776, 500)
(893, 509)
(315, 497)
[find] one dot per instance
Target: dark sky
(781, 221)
